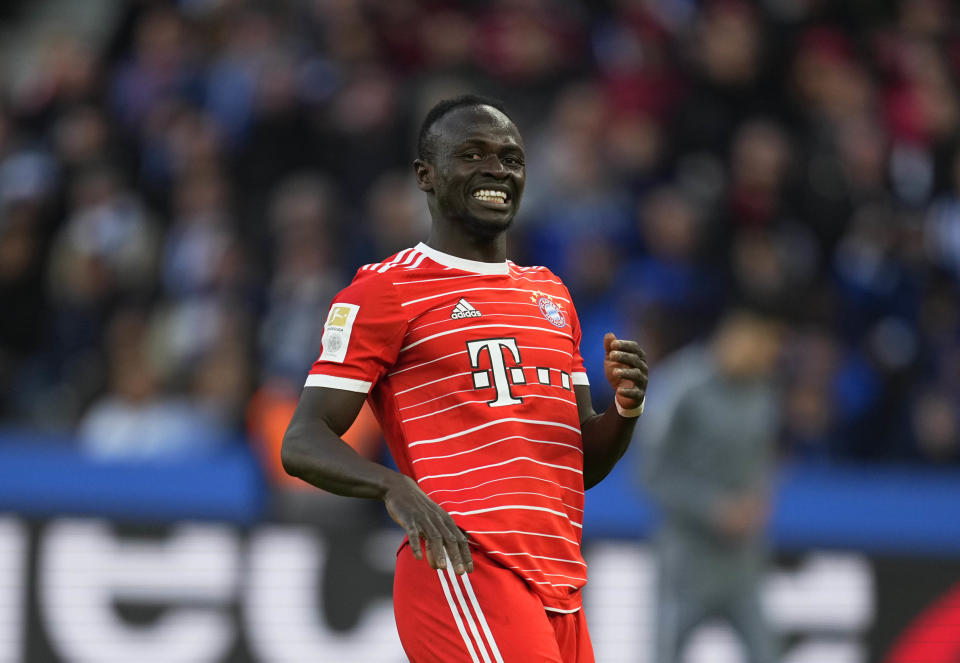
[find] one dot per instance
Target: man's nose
(493, 166)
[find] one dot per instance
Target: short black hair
(442, 108)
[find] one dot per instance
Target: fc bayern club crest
(550, 310)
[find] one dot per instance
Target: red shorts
(487, 616)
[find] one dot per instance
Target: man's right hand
(422, 518)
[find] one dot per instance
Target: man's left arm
(606, 436)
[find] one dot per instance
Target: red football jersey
(470, 368)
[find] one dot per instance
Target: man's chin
(487, 228)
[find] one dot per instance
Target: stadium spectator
(708, 462)
(135, 420)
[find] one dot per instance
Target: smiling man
(473, 368)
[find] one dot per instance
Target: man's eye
(513, 161)
(472, 156)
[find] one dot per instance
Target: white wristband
(632, 412)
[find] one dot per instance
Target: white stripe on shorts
(456, 617)
(466, 610)
(485, 648)
(481, 618)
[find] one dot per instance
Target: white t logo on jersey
(481, 379)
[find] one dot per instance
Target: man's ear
(424, 173)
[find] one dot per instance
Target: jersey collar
(463, 264)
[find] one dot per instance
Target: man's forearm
(605, 439)
(322, 459)
(313, 451)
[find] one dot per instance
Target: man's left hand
(625, 365)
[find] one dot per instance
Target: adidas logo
(464, 310)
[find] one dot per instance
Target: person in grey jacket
(707, 463)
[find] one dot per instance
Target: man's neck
(469, 247)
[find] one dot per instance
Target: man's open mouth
(495, 196)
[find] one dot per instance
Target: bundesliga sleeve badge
(549, 308)
(336, 332)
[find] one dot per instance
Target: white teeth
(490, 195)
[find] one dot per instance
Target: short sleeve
(361, 335)
(578, 373)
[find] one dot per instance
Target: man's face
(478, 170)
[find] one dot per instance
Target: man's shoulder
(534, 272)
(400, 261)
(383, 274)
(372, 282)
(528, 268)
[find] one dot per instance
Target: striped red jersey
(470, 368)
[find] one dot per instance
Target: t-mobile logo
(498, 366)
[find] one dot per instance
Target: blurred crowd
(180, 199)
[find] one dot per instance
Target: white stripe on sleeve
(334, 382)
(580, 378)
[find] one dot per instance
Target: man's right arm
(313, 451)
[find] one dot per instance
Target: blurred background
(185, 185)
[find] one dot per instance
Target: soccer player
(472, 366)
